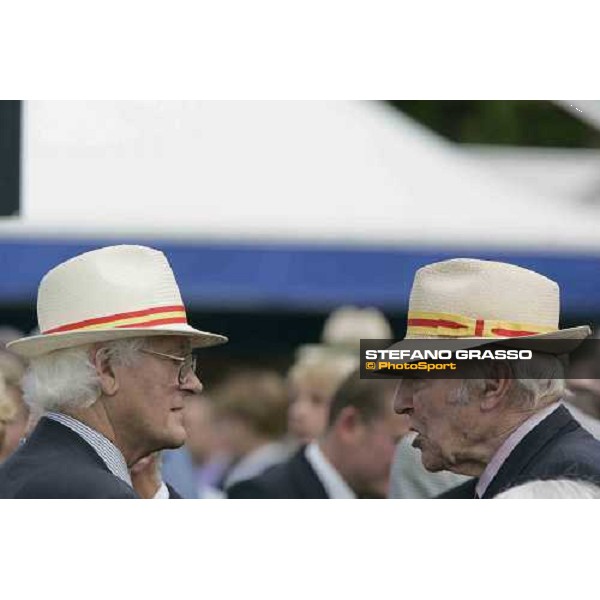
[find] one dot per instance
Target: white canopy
(352, 172)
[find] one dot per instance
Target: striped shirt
(106, 450)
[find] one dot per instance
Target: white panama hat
(346, 325)
(343, 330)
(112, 293)
(482, 302)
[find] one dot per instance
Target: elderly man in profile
(112, 369)
(503, 423)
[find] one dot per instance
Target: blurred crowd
(314, 431)
(260, 421)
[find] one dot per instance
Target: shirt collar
(332, 481)
(162, 493)
(255, 463)
(509, 445)
(106, 450)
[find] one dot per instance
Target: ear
(348, 423)
(496, 388)
(109, 383)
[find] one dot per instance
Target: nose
(403, 398)
(192, 383)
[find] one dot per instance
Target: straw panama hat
(343, 330)
(108, 294)
(479, 302)
(346, 325)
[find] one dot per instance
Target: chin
(179, 440)
(373, 494)
(171, 444)
(175, 438)
(302, 438)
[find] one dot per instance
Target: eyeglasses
(187, 364)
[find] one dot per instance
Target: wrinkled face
(309, 409)
(373, 453)
(149, 406)
(441, 418)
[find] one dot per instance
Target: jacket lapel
(305, 480)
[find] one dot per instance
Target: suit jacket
(173, 493)
(55, 462)
(294, 478)
(557, 448)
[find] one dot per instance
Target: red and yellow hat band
(149, 317)
(431, 324)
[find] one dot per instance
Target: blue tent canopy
(295, 276)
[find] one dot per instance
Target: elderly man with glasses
(112, 369)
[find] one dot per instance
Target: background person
(8, 412)
(197, 469)
(12, 369)
(312, 382)
(319, 369)
(583, 385)
(251, 410)
(351, 459)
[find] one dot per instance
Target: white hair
(553, 489)
(538, 382)
(541, 380)
(67, 379)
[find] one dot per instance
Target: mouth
(418, 441)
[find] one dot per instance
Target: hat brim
(38, 345)
(563, 341)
